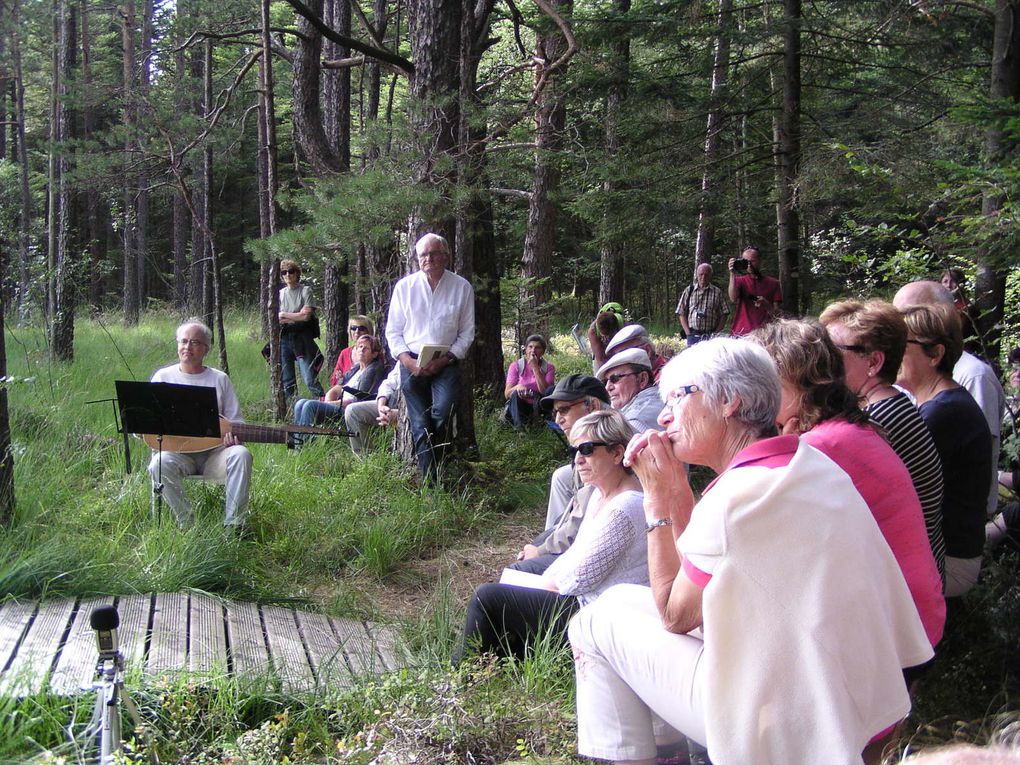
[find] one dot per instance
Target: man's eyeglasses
(681, 393)
(564, 408)
(586, 449)
(191, 343)
(357, 328)
(285, 271)
(617, 377)
(431, 254)
(852, 348)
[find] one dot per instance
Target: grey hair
(606, 425)
(207, 334)
(595, 404)
(419, 246)
(729, 369)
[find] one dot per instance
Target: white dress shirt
(421, 316)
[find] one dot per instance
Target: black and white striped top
(911, 440)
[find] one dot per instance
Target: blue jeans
(696, 337)
(287, 360)
(430, 403)
(309, 411)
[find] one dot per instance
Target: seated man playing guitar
(230, 460)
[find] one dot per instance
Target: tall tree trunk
(6, 453)
(64, 292)
(990, 285)
(267, 194)
(5, 82)
(788, 161)
(141, 176)
(130, 219)
(309, 130)
(199, 257)
(92, 224)
(24, 294)
(704, 244)
(337, 113)
(181, 232)
(550, 121)
(611, 255)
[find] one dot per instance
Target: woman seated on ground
(527, 380)
(872, 337)
(806, 620)
(356, 327)
(961, 435)
(359, 384)
(817, 404)
(609, 548)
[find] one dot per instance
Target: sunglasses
(558, 410)
(852, 348)
(285, 271)
(357, 328)
(586, 449)
(617, 377)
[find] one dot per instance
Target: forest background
(157, 159)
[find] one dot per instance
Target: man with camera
(757, 297)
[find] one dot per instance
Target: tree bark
(704, 243)
(181, 232)
(141, 176)
(93, 227)
(990, 285)
(129, 218)
(64, 291)
(788, 161)
(6, 453)
(550, 121)
(267, 194)
(309, 131)
(611, 255)
(24, 294)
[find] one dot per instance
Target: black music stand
(167, 409)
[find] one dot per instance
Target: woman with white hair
(777, 623)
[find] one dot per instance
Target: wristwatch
(657, 523)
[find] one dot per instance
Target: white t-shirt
(209, 378)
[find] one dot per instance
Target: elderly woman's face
(693, 428)
(534, 350)
(917, 367)
(363, 353)
(601, 463)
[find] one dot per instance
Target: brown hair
(933, 325)
(876, 325)
(373, 342)
(808, 360)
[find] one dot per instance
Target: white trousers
(229, 464)
(638, 686)
(360, 418)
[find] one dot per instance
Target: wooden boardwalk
(52, 645)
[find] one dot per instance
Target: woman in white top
(609, 549)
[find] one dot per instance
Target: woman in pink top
(527, 380)
(817, 404)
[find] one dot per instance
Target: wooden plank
(325, 652)
(388, 646)
(248, 653)
(38, 651)
(207, 638)
(169, 645)
(14, 620)
(287, 649)
(135, 613)
(76, 666)
(357, 644)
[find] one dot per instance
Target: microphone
(104, 621)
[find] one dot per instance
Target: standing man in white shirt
(230, 460)
(432, 306)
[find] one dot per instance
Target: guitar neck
(259, 434)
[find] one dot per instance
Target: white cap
(632, 356)
(625, 335)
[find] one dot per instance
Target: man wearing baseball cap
(573, 398)
(632, 390)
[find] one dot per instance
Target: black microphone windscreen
(104, 618)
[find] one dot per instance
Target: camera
(740, 265)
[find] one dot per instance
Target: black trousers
(505, 620)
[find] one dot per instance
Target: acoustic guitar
(245, 432)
